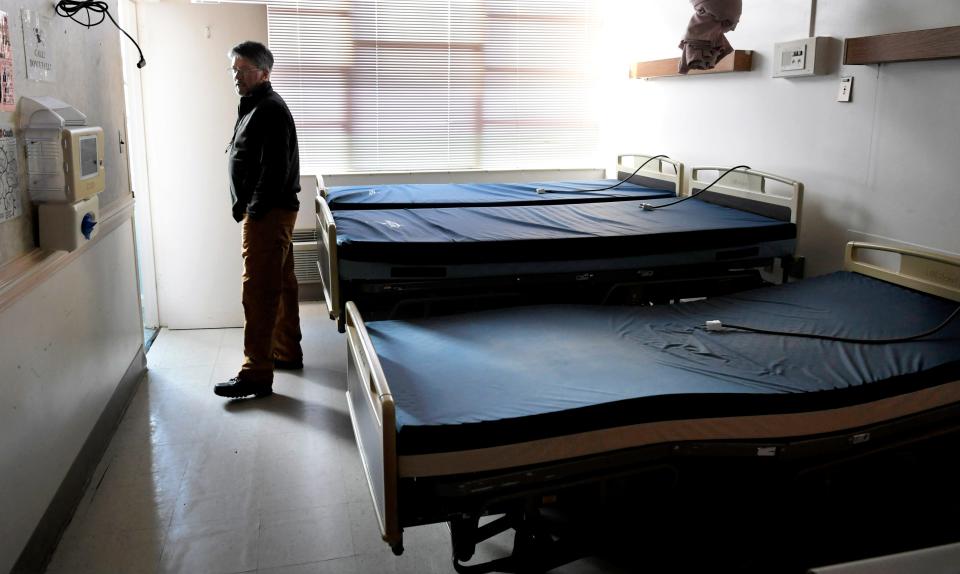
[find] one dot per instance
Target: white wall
(880, 167)
(70, 326)
(190, 107)
(66, 345)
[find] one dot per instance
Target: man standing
(264, 166)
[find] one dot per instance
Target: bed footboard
(327, 262)
(924, 271)
(374, 425)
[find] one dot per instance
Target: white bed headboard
(661, 173)
(746, 189)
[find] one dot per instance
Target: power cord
(649, 207)
(70, 8)
(719, 326)
(619, 183)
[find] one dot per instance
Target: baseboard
(46, 535)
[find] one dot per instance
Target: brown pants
(271, 312)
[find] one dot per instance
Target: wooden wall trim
(738, 61)
(933, 44)
(25, 273)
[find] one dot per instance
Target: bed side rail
(933, 273)
(321, 187)
(661, 173)
(374, 425)
(327, 262)
(746, 189)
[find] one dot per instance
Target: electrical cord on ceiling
(720, 326)
(649, 207)
(619, 183)
(70, 8)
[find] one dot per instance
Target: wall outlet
(806, 57)
(794, 59)
(846, 89)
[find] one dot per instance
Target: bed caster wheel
(397, 548)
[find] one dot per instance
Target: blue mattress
(506, 376)
(547, 234)
(427, 195)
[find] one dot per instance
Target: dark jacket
(264, 160)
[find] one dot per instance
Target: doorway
(139, 174)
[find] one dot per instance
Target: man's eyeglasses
(241, 71)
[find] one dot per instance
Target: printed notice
(36, 46)
(8, 102)
(9, 182)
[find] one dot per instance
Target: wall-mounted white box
(67, 226)
(64, 155)
(806, 57)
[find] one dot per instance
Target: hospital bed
(502, 411)
(597, 251)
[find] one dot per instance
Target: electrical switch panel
(806, 57)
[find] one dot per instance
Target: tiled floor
(193, 483)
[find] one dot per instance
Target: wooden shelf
(738, 61)
(934, 44)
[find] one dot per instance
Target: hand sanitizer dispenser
(68, 225)
(65, 171)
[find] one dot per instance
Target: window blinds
(420, 85)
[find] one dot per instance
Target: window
(402, 85)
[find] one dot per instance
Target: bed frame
(460, 487)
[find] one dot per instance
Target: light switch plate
(846, 89)
(804, 57)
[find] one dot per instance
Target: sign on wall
(9, 183)
(36, 47)
(8, 102)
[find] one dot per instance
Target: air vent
(305, 260)
(301, 235)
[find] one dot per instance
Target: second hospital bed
(459, 416)
(580, 251)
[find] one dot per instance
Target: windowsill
(459, 171)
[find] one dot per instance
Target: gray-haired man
(264, 168)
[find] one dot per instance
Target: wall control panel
(806, 57)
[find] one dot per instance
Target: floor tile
(212, 548)
(137, 507)
(301, 536)
(346, 565)
(131, 552)
(185, 348)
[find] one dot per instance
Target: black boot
(239, 387)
